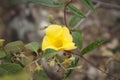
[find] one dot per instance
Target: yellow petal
(58, 38)
(54, 31)
(47, 44)
(66, 35)
(1, 42)
(69, 46)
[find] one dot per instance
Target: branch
(87, 14)
(107, 5)
(98, 4)
(108, 74)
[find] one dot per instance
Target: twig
(107, 5)
(108, 74)
(65, 16)
(87, 14)
(98, 4)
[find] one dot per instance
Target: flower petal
(47, 44)
(66, 35)
(1, 42)
(69, 46)
(54, 31)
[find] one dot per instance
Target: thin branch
(65, 9)
(98, 4)
(108, 74)
(87, 14)
(107, 5)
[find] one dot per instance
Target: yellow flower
(1, 42)
(58, 37)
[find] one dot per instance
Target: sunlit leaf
(92, 46)
(77, 38)
(49, 53)
(89, 4)
(14, 47)
(33, 46)
(76, 11)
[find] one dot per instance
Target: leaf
(2, 53)
(11, 68)
(3, 72)
(74, 20)
(14, 47)
(49, 3)
(92, 46)
(7, 58)
(76, 11)
(77, 38)
(24, 60)
(74, 64)
(40, 75)
(49, 53)
(89, 4)
(33, 46)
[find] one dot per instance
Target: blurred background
(26, 22)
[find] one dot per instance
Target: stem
(65, 9)
(108, 74)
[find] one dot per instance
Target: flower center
(58, 43)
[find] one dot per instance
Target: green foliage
(74, 63)
(40, 75)
(10, 68)
(49, 53)
(33, 46)
(73, 21)
(49, 3)
(2, 53)
(3, 72)
(76, 11)
(92, 46)
(14, 47)
(24, 60)
(77, 38)
(89, 4)
(21, 76)
(7, 67)
(7, 58)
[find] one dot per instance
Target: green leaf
(40, 75)
(76, 11)
(74, 64)
(92, 46)
(8, 58)
(14, 47)
(89, 4)
(49, 53)
(3, 72)
(77, 38)
(2, 53)
(49, 3)
(73, 21)
(11, 68)
(33, 46)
